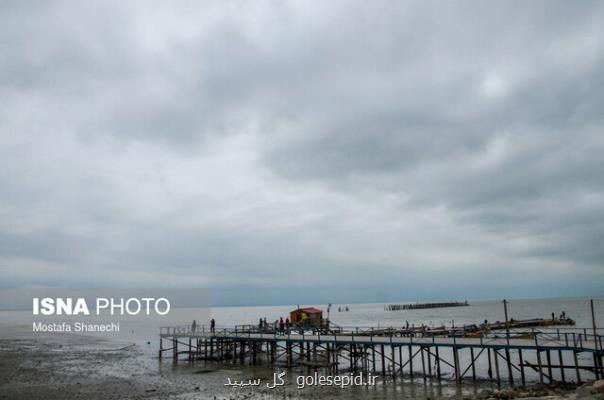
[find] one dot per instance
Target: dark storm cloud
(270, 144)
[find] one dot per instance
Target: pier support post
(521, 361)
(496, 358)
(393, 354)
(490, 370)
(509, 363)
(373, 359)
(288, 347)
(411, 362)
(337, 357)
(549, 366)
(540, 366)
(423, 363)
(577, 367)
(562, 374)
(400, 358)
(472, 363)
(437, 361)
(307, 351)
(597, 367)
(456, 364)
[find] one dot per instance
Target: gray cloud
(412, 147)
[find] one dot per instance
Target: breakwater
(421, 306)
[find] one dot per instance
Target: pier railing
(569, 337)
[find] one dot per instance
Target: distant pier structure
(421, 306)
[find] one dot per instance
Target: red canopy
(311, 310)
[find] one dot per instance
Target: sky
(283, 152)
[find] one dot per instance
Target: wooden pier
(544, 355)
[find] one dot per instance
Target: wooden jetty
(422, 306)
(546, 356)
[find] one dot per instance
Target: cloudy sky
(283, 152)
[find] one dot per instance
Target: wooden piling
(393, 355)
(437, 361)
(521, 361)
(423, 363)
(373, 359)
(509, 364)
(490, 370)
(400, 358)
(411, 362)
(307, 351)
(562, 375)
(577, 372)
(496, 359)
(456, 364)
(540, 366)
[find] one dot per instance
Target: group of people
(212, 326)
(280, 325)
(562, 316)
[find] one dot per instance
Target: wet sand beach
(82, 367)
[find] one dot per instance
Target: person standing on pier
(212, 325)
(281, 325)
(193, 326)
